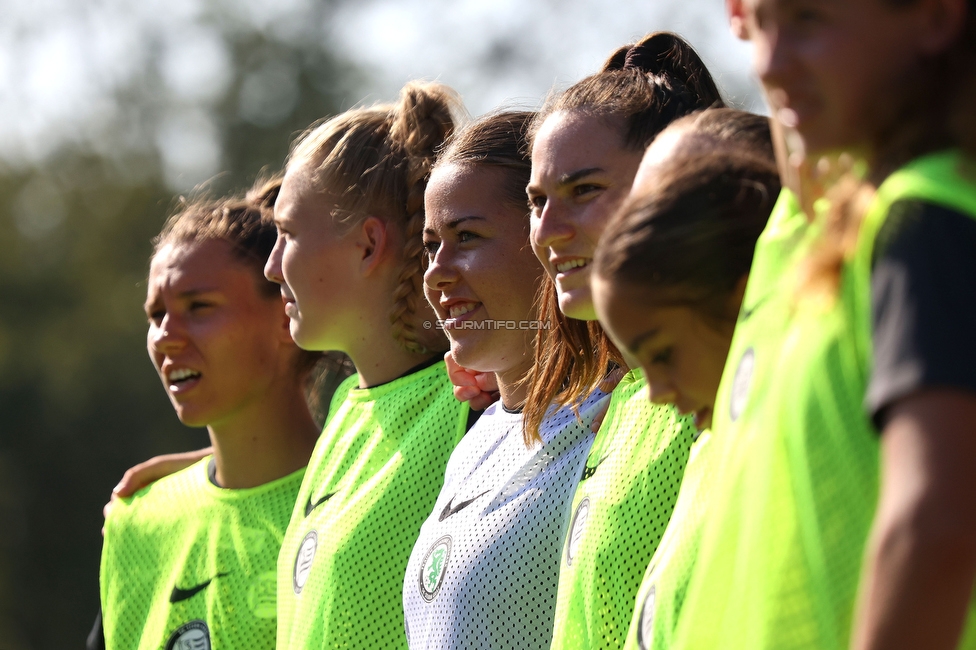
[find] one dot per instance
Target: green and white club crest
(434, 567)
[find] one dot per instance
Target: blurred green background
(109, 109)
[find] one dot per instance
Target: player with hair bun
(587, 143)
(843, 516)
(190, 561)
(350, 220)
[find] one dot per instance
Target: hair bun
(424, 117)
(667, 55)
(655, 54)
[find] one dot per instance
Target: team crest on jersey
(740, 384)
(434, 567)
(192, 636)
(303, 561)
(576, 529)
(645, 635)
(262, 596)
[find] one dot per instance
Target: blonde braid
(422, 121)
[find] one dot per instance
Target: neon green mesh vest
(783, 541)
(663, 591)
(186, 564)
(621, 508)
(371, 482)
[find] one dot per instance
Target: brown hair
(642, 88)
(498, 140)
(701, 131)
(244, 224)
(376, 161)
(934, 112)
(247, 224)
(689, 234)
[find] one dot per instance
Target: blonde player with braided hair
(348, 258)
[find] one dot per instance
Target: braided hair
(376, 161)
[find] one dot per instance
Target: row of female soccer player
(721, 413)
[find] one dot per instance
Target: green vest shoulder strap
(945, 178)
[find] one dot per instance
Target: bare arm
(921, 557)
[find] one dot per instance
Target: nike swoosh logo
(309, 507)
(746, 314)
(449, 509)
(590, 471)
(179, 595)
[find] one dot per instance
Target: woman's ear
(373, 242)
(737, 18)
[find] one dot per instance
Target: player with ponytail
(350, 222)
(845, 517)
(587, 143)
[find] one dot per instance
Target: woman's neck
(511, 387)
(265, 441)
(379, 362)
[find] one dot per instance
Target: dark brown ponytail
(642, 89)
(645, 86)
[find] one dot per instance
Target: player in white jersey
(484, 571)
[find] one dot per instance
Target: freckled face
(581, 172)
(480, 267)
(681, 353)
(216, 341)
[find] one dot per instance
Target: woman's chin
(577, 306)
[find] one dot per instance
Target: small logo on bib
(262, 595)
(192, 636)
(576, 530)
(740, 384)
(434, 567)
(645, 632)
(303, 561)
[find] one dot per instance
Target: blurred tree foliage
(79, 400)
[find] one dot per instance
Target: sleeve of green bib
(923, 304)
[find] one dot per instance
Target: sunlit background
(111, 108)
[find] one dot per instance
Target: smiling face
(681, 352)
(312, 261)
(581, 172)
(833, 68)
(217, 342)
(480, 267)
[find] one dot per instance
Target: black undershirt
(923, 304)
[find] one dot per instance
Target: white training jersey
(484, 571)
